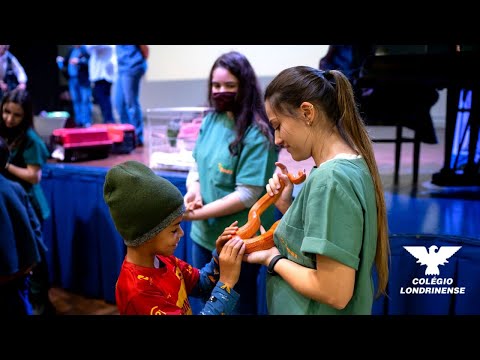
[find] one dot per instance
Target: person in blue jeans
(101, 68)
(132, 65)
(74, 67)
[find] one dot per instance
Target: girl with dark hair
(335, 229)
(235, 156)
(28, 154)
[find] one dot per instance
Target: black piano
(453, 67)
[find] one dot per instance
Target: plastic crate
(170, 135)
(81, 144)
(45, 123)
(122, 135)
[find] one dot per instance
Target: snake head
(299, 178)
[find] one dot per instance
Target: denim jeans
(127, 91)
(101, 94)
(82, 102)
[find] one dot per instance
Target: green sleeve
(36, 151)
(257, 160)
(333, 224)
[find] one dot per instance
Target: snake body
(265, 240)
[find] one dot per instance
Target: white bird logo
(431, 258)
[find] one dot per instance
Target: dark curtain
(43, 74)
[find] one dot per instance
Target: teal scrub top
(335, 215)
(35, 152)
(220, 172)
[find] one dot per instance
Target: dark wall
(43, 75)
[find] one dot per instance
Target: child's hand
(230, 261)
(227, 234)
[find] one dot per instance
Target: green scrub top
(334, 215)
(220, 172)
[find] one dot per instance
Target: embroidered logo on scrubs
(288, 249)
(223, 170)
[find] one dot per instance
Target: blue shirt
(130, 59)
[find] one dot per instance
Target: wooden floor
(67, 303)
(431, 161)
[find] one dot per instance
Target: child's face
(223, 80)
(167, 240)
(12, 114)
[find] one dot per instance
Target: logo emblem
(431, 258)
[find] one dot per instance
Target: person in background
(335, 229)
(234, 157)
(147, 212)
(349, 59)
(20, 236)
(28, 154)
(12, 73)
(101, 69)
(132, 65)
(376, 102)
(74, 67)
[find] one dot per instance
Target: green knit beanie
(141, 203)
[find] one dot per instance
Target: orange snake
(265, 240)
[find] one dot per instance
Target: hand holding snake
(275, 187)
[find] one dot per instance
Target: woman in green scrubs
(235, 156)
(335, 230)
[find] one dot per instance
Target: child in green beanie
(147, 211)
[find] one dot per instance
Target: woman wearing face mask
(235, 156)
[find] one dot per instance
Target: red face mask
(224, 101)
